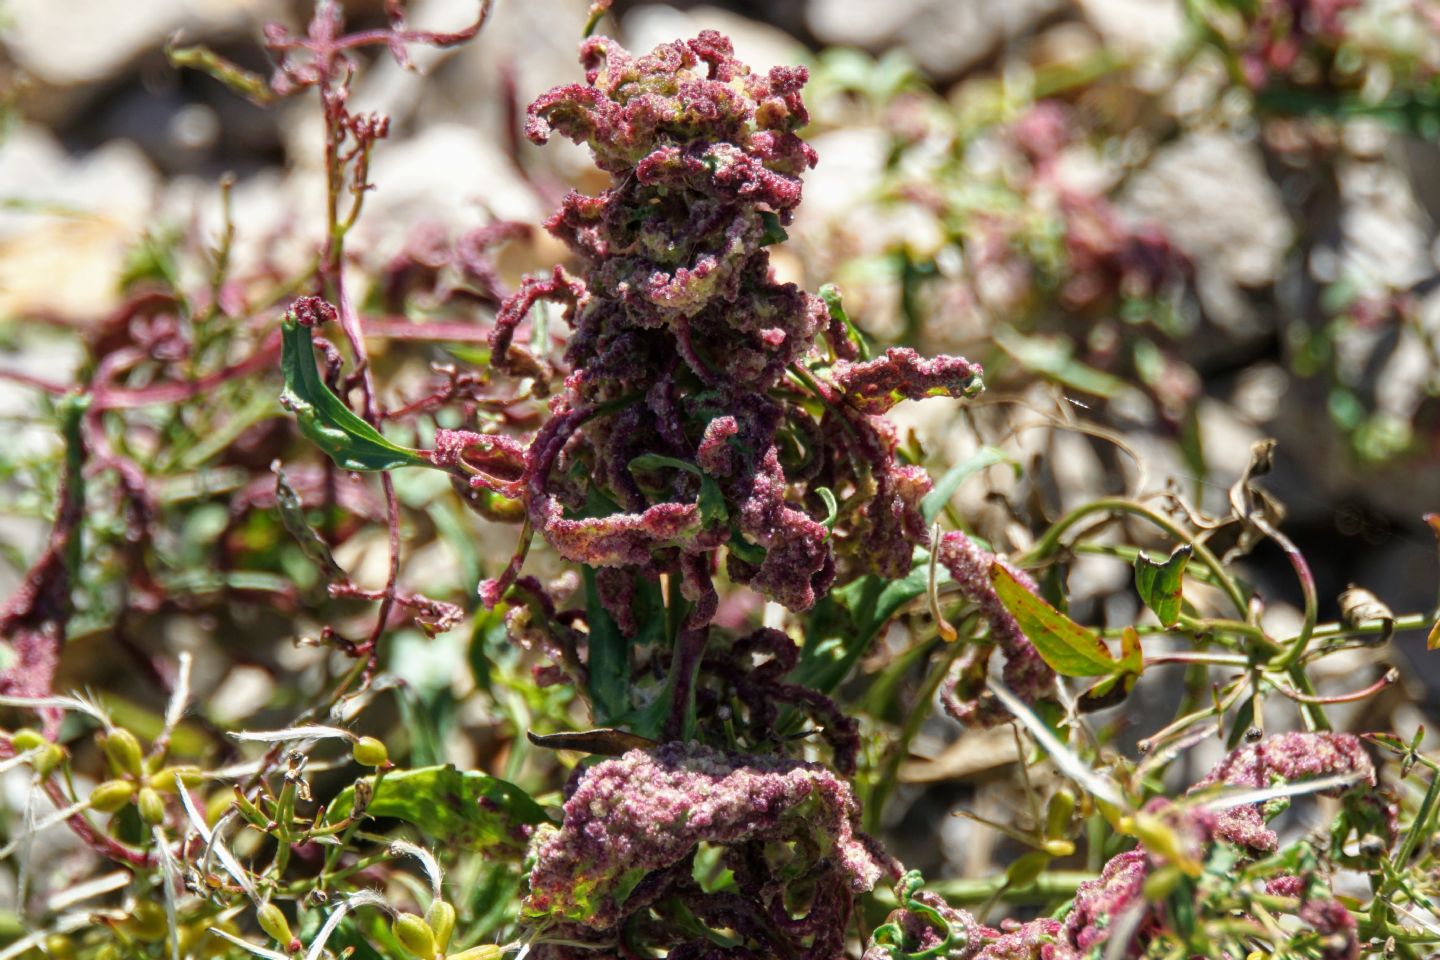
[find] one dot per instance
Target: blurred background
(1168, 229)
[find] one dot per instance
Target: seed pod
(1058, 813)
(441, 918)
(1161, 883)
(111, 795)
(123, 751)
(1058, 848)
(164, 779)
(273, 922)
(370, 752)
(49, 757)
(152, 806)
(1025, 868)
(59, 947)
(26, 739)
(146, 922)
(486, 951)
(415, 936)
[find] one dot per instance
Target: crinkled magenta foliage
(700, 417)
(633, 827)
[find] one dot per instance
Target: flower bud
(164, 780)
(26, 739)
(370, 752)
(152, 806)
(273, 922)
(486, 951)
(1058, 812)
(415, 936)
(146, 922)
(59, 947)
(111, 795)
(50, 756)
(441, 919)
(123, 751)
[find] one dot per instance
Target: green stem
(1050, 541)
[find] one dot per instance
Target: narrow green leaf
(292, 515)
(654, 461)
(1070, 649)
(324, 419)
(711, 500)
(842, 626)
(1160, 584)
(608, 670)
(946, 486)
(831, 507)
(465, 810)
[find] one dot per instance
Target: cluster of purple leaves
(697, 412)
(634, 825)
(697, 415)
(1116, 902)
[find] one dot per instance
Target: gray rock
(1211, 193)
(946, 37)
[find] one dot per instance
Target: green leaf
(324, 419)
(608, 673)
(1160, 584)
(842, 626)
(830, 294)
(292, 515)
(1053, 357)
(946, 486)
(469, 809)
(711, 500)
(774, 232)
(1070, 649)
(654, 461)
(832, 508)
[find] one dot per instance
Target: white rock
(87, 41)
(944, 36)
(1211, 193)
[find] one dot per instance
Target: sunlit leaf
(1070, 649)
(324, 419)
(1160, 585)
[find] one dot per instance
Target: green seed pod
(152, 806)
(26, 739)
(1159, 884)
(273, 922)
(147, 922)
(59, 946)
(1058, 848)
(1058, 812)
(486, 951)
(49, 757)
(123, 751)
(111, 795)
(441, 919)
(415, 936)
(164, 780)
(1025, 868)
(370, 752)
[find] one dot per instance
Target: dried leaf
(605, 741)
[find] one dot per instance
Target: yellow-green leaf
(1070, 649)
